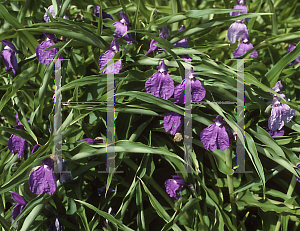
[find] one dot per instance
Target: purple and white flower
(183, 44)
(42, 179)
(243, 47)
(160, 84)
(198, 91)
(164, 33)
(20, 204)
(173, 122)
(47, 55)
(241, 5)
(236, 31)
(9, 56)
(215, 136)
(280, 113)
(174, 186)
(122, 28)
(105, 57)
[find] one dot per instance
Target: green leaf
(107, 216)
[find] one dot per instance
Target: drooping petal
(18, 198)
(236, 31)
(160, 85)
(17, 145)
(179, 179)
(179, 93)
(275, 121)
(242, 11)
(46, 56)
(114, 46)
(17, 210)
(222, 139)
(103, 60)
(209, 137)
(173, 122)
(6, 54)
(42, 180)
(50, 36)
(198, 91)
(287, 113)
(88, 140)
(171, 188)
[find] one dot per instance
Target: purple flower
(292, 47)
(278, 86)
(42, 179)
(9, 56)
(241, 5)
(21, 202)
(243, 47)
(160, 84)
(274, 133)
(47, 55)
(104, 58)
(102, 190)
(215, 135)
(236, 31)
(92, 141)
(183, 44)
(198, 91)
(17, 144)
(56, 226)
(51, 11)
(280, 113)
(298, 166)
(104, 16)
(122, 28)
(172, 185)
(173, 122)
(164, 33)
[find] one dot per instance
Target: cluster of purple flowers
(9, 56)
(238, 30)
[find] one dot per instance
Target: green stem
(289, 194)
(228, 158)
(199, 211)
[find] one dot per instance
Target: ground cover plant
(176, 168)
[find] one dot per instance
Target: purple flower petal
(287, 113)
(152, 47)
(172, 185)
(242, 11)
(50, 36)
(278, 86)
(160, 84)
(164, 32)
(173, 122)
(88, 140)
(290, 48)
(9, 44)
(43, 179)
(236, 31)
(198, 91)
(243, 48)
(18, 198)
(47, 55)
(104, 16)
(35, 148)
(56, 226)
(124, 18)
(215, 135)
(275, 121)
(121, 30)
(17, 145)
(52, 12)
(103, 60)
(21, 202)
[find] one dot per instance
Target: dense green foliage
(266, 199)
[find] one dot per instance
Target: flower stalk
(228, 159)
